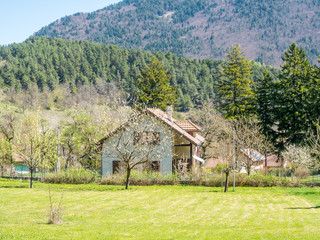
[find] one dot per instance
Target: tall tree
(235, 92)
(235, 86)
(292, 103)
(314, 97)
(153, 86)
(265, 104)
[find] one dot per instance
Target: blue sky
(19, 19)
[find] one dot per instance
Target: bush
(202, 178)
(72, 176)
(301, 173)
(144, 178)
(282, 172)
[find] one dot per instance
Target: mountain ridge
(199, 28)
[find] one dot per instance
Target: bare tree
(313, 141)
(138, 142)
(221, 144)
(208, 118)
(251, 142)
(8, 121)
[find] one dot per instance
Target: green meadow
(95, 211)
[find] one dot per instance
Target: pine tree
(292, 101)
(153, 86)
(235, 86)
(314, 97)
(265, 104)
(235, 91)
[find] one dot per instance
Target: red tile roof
(188, 126)
(162, 116)
(196, 140)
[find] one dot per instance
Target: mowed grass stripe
(158, 212)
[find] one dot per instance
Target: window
(146, 138)
(116, 167)
(155, 166)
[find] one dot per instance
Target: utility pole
(58, 150)
(234, 157)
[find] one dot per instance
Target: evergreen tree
(292, 103)
(153, 86)
(265, 104)
(314, 97)
(235, 86)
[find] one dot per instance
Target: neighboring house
(19, 165)
(258, 159)
(179, 141)
(213, 163)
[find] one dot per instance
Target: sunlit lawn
(159, 212)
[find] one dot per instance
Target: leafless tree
(8, 122)
(251, 143)
(208, 119)
(313, 141)
(137, 142)
(221, 144)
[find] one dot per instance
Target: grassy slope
(170, 212)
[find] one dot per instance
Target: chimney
(169, 112)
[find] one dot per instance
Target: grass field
(159, 212)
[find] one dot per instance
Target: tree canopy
(153, 86)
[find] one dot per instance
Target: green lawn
(159, 212)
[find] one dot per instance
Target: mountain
(49, 62)
(200, 28)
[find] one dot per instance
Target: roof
(272, 161)
(162, 116)
(188, 126)
(253, 154)
(196, 140)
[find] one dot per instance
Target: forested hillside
(49, 62)
(200, 28)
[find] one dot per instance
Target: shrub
(201, 178)
(301, 173)
(55, 210)
(73, 176)
(280, 172)
(144, 178)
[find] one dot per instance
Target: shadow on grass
(8, 186)
(304, 207)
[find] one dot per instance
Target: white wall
(144, 123)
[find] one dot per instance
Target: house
(177, 141)
(258, 160)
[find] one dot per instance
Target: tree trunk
(265, 162)
(248, 170)
(31, 178)
(227, 182)
(128, 178)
